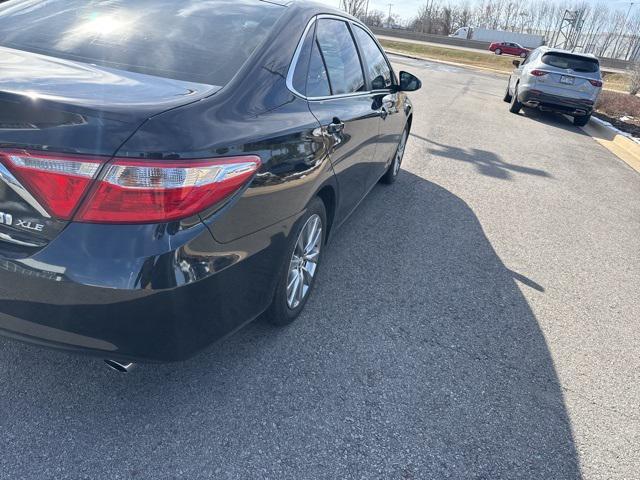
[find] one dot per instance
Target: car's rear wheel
(299, 272)
(581, 121)
(394, 169)
(507, 95)
(498, 51)
(516, 106)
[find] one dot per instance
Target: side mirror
(379, 83)
(409, 83)
(516, 63)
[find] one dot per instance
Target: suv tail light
(596, 83)
(538, 73)
(129, 190)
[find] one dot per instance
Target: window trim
(298, 51)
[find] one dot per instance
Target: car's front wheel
(394, 169)
(299, 272)
(498, 51)
(523, 55)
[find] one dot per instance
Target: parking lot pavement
(478, 319)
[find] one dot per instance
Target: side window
(340, 56)
(317, 80)
(299, 80)
(377, 66)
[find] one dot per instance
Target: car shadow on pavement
(552, 119)
(487, 163)
(417, 357)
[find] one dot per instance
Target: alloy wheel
(304, 261)
(397, 162)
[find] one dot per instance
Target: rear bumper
(556, 103)
(160, 297)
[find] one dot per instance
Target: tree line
(606, 31)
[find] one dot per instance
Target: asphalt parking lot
(478, 319)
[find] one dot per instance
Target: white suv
(556, 80)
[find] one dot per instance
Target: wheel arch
(328, 196)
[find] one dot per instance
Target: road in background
(478, 319)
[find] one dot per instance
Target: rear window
(205, 41)
(573, 62)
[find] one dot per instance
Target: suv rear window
(573, 62)
(201, 41)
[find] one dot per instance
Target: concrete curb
(609, 137)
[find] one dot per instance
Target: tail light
(538, 73)
(58, 183)
(596, 83)
(129, 190)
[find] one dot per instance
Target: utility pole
(389, 20)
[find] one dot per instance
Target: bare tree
(353, 7)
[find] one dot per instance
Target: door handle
(336, 126)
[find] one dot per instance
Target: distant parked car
(509, 48)
(558, 81)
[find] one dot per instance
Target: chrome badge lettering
(6, 218)
(36, 227)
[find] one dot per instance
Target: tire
(498, 51)
(392, 172)
(507, 95)
(581, 121)
(516, 106)
(283, 310)
(523, 55)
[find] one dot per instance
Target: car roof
(567, 52)
(316, 8)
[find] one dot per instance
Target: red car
(509, 48)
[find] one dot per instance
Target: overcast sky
(407, 8)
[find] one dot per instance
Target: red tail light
(57, 182)
(538, 73)
(129, 190)
(134, 191)
(596, 83)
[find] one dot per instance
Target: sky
(407, 8)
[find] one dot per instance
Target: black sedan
(170, 171)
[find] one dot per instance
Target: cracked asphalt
(478, 319)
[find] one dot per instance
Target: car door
(389, 103)
(338, 96)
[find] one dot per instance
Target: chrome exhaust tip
(119, 366)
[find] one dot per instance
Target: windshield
(205, 41)
(571, 62)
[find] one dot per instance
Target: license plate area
(567, 80)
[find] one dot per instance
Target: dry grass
(616, 104)
(613, 81)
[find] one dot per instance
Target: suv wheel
(300, 268)
(523, 55)
(581, 121)
(516, 106)
(498, 51)
(507, 95)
